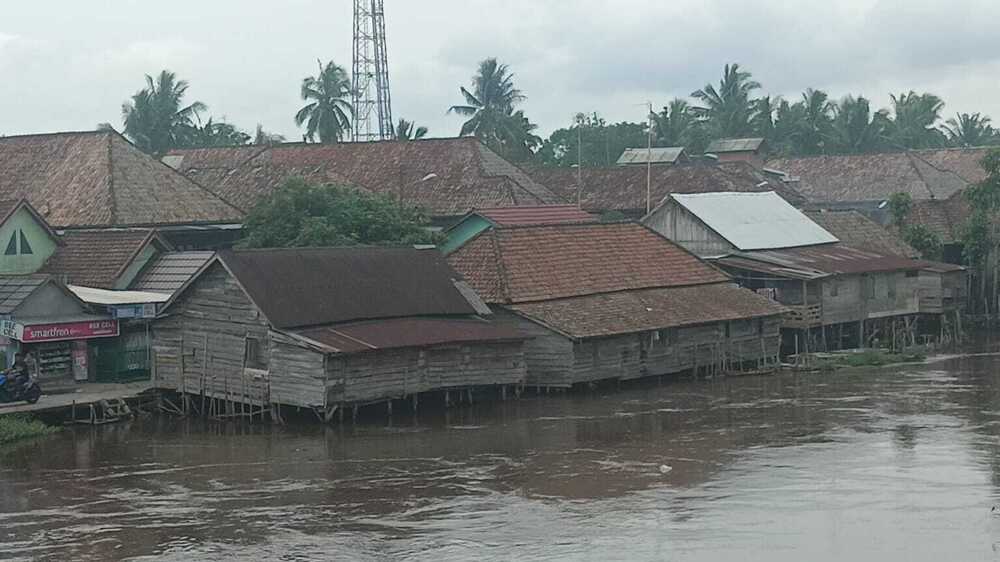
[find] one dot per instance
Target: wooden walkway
(87, 394)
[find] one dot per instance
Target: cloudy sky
(69, 64)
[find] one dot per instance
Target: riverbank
(16, 427)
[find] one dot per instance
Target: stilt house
(839, 296)
(616, 301)
(327, 328)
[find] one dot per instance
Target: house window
(25, 247)
(12, 249)
(252, 354)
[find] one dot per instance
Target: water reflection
(877, 465)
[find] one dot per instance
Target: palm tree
(915, 122)
(763, 118)
(728, 109)
(519, 141)
(855, 129)
(674, 125)
(408, 130)
(328, 113)
(155, 118)
(213, 134)
(490, 105)
(965, 130)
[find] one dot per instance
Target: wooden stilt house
(616, 301)
(328, 328)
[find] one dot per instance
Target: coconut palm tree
(156, 118)
(490, 104)
(408, 130)
(673, 126)
(855, 129)
(915, 119)
(965, 130)
(728, 109)
(328, 112)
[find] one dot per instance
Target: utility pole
(649, 160)
(370, 96)
(579, 160)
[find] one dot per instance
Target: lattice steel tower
(371, 101)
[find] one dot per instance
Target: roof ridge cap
(111, 181)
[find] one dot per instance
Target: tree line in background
(157, 119)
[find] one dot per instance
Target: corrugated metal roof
(299, 287)
(392, 333)
(169, 272)
(14, 289)
(734, 145)
(823, 261)
(106, 297)
(755, 221)
(656, 155)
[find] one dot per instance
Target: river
(893, 464)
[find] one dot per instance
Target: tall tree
(593, 140)
(677, 125)
(728, 109)
(856, 129)
(966, 130)
(328, 113)
(212, 134)
(490, 106)
(156, 118)
(302, 214)
(408, 130)
(981, 237)
(915, 119)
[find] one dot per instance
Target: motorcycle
(12, 390)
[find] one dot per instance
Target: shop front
(59, 350)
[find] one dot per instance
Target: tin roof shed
(754, 221)
(657, 155)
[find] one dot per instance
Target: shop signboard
(147, 310)
(67, 331)
(9, 329)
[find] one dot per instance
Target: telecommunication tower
(370, 79)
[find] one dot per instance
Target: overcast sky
(69, 64)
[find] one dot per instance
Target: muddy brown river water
(895, 464)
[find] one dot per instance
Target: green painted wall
(463, 232)
(41, 244)
(133, 269)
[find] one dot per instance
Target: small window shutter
(25, 247)
(12, 246)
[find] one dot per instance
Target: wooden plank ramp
(81, 400)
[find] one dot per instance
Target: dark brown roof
(854, 229)
(532, 263)
(943, 217)
(923, 174)
(648, 309)
(310, 287)
(96, 258)
(372, 335)
(535, 215)
(814, 262)
(170, 271)
(100, 179)
(623, 188)
(447, 177)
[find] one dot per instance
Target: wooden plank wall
(548, 354)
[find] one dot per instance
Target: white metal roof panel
(106, 297)
(755, 221)
(662, 155)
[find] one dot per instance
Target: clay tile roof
(648, 309)
(623, 188)
(534, 215)
(831, 259)
(855, 229)
(533, 263)
(448, 177)
(96, 258)
(315, 286)
(100, 179)
(876, 177)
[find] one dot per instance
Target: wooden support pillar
(416, 401)
(354, 414)
(388, 407)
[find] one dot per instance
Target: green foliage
(900, 206)
(923, 240)
(266, 138)
(212, 134)
(408, 130)
(328, 113)
(915, 121)
(16, 427)
(591, 140)
(490, 107)
(156, 119)
(728, 110)
(981, 236)
(966, 130)
(301, 214)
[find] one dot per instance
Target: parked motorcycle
(12, 390)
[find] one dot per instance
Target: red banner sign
(69, 331)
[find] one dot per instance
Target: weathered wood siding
(941, 292)
(547, 354)
(396, 373)
(843, 300)
(679, 225)
(891, 294)
(199, 347)
(297, 374)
